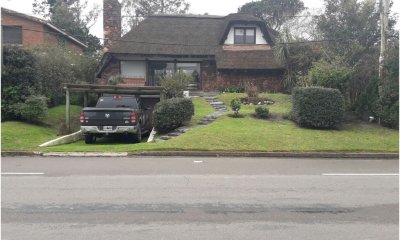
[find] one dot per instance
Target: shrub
(171, 113)
(262, 112)
(17, 79)
(35, 107)
(231, 89)
(115, 79)
(251, 89)
(331, 75)
(235, 105)
(317, 107)
(174, 84)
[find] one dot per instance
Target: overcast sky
(212, 7)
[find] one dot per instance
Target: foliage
(18, 79)
(348, 22)
(297, 58)
(137, 10)
(174, 84)
(331, 75)
(34, 108)
(74, 17)
(274, 12)
(317, 107)
(387, 106)
(262, 112)
(251, 89)
(235, 105)
(171, 113)
(352, 29)
(115, 79)
(368, 98)
(54, 67)
(231, 89)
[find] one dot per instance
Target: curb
(270, 154)
(321, 155)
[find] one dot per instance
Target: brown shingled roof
(172, 35)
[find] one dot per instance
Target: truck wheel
(89, 139)
(137, 138)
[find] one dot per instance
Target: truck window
(123, 102)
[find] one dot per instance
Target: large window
(245, 36)
(12, 34)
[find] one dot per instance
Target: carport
(149, 94)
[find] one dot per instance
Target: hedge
(171, 113)
(317, 107)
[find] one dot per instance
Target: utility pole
(384, 18)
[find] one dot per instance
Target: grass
(20, 136)
(242, 134)
(202, 108)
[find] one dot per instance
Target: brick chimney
(111, 22)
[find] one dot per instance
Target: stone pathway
(219, 108)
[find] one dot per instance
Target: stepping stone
(173, 134)
(159, 140)
(181, 130)
(217, 103)
(165, 138)
(203, 122)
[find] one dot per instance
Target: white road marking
(360, 174)
(17, 173)
(197, 161)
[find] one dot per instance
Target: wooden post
(67, 112)
(85, 99)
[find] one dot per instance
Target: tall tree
(69, 15)
(137, 10)
(274, 12)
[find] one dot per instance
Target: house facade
(218, 51)
(29, 32)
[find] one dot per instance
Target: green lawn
(19, 136)
(242, 134)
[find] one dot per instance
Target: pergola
(141, 92)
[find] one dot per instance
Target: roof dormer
(244, 29)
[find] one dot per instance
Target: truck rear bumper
(116, 130)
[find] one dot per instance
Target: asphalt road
(199, 198)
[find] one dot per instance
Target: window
(12, 34)
(245, 36)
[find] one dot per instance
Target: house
(27, 31)
(218, 51)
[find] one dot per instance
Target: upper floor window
(245, 36)
(12, 34)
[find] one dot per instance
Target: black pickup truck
(115, 115)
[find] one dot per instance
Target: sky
(212, 7)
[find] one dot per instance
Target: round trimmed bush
(262, 112)
(317, 107)
(171, 113)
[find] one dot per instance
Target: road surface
(199, 198)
